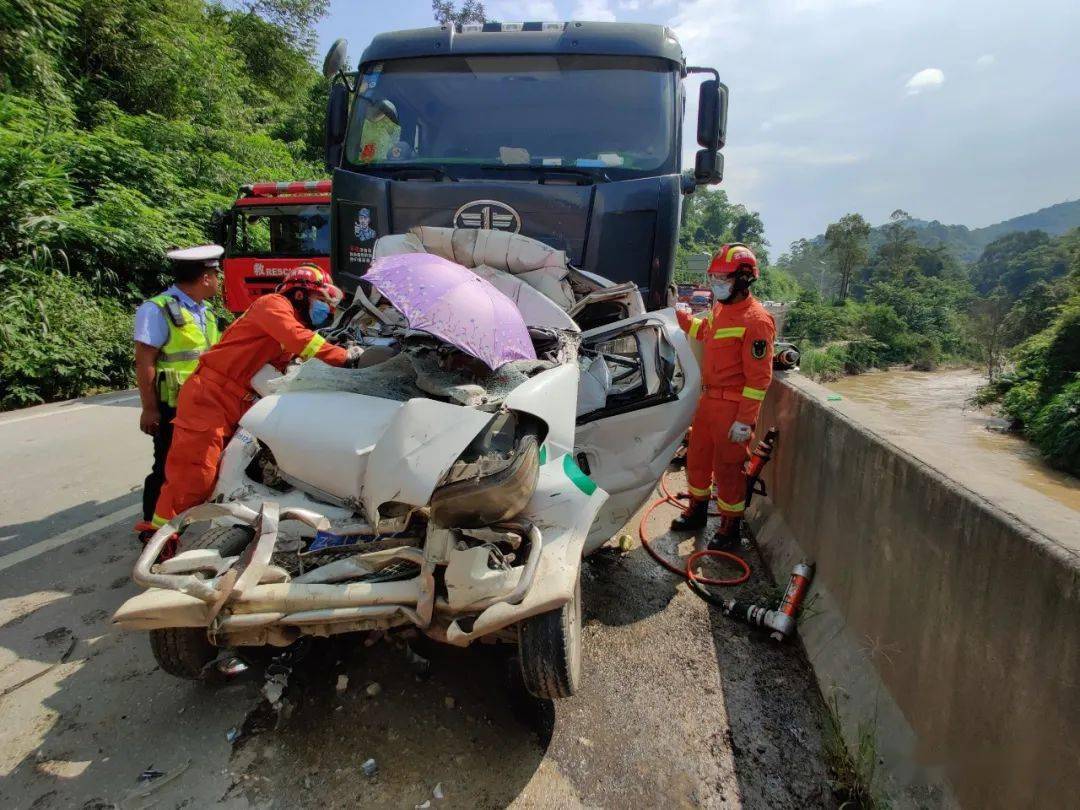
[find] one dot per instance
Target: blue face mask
(318, 312)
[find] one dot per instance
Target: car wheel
(550, 650)
(184, 652)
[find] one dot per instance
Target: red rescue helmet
(730, 259)
(312, 278)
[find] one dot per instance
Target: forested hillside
(967, 244)
(123, 124)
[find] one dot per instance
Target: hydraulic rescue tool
(785, 355)
(758, 459)
(782, 620)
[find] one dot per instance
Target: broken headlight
(494, 477)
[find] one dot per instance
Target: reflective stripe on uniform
(313, 346)
(158, 521)
(731, 507)
(753, 393)
(171, 357)
(730, 331)
(695, 325)
(699, 493)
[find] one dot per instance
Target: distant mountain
(1055, 220)
(967, 244)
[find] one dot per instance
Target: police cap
(203, 254)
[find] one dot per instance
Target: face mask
(318, 311)
(721, 290)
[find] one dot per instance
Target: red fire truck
(271, 228)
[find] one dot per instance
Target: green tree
(808, 263)
(896, 256)
(447, 12)
(295, 18)
(845, 241)
(989, 328)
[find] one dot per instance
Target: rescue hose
(696, 581)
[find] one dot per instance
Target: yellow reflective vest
(179, 356)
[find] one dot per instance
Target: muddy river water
(928, 415)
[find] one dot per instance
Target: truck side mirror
(711, 132)
(712, 114)
(337, 58)
(708, 167)
(337, 120)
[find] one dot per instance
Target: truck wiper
(419, 170)
(545, 172)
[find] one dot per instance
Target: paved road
(680, 707)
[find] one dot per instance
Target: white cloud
(985, 61)
(925, 79)
(593, 11)
(630, 5)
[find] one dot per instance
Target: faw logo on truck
(490, 215)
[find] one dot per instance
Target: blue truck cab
(567, 132)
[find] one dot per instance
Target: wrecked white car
(429, 491)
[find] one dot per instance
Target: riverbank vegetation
(1014, 311)
(123, 124)
(899, 303)
(1035, 376)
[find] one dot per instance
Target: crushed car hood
(356, 448)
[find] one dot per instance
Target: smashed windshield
(611, 114)
(286, 231)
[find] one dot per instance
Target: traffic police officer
(171, 331)
(738, 336)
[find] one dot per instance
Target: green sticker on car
(579, 478)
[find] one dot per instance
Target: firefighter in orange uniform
(738, 335)
(275, 329)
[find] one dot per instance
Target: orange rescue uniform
(219, 393)
(736, 371)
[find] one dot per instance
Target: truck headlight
(494, 477)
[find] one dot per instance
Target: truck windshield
(286, 231)
(614, 115)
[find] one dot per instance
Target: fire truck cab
(271, 228)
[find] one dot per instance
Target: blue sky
(963, 111)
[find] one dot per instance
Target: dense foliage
(1037, 286)
(123, 124)
(899, 303)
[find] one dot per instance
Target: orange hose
(688, 572)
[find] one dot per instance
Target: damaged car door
(638, 392)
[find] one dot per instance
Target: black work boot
(694, 517)
(728, 534)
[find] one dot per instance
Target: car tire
(550, 650)
(184, 652)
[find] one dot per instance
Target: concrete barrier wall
(945, 625)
